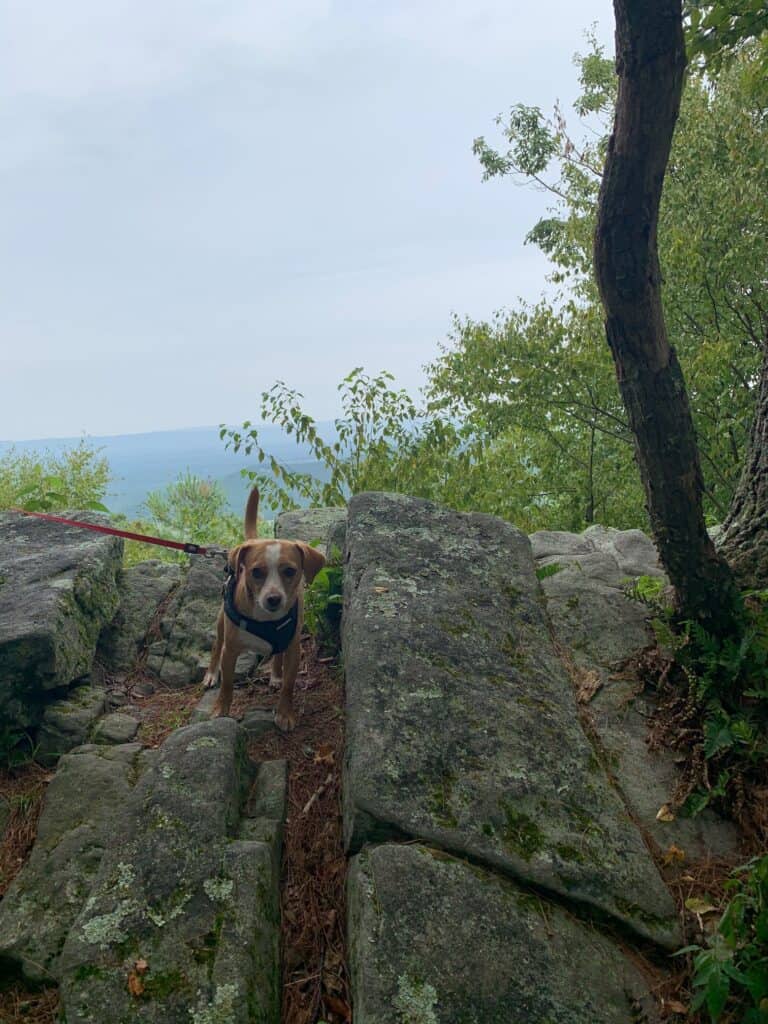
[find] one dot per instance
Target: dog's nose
(273, 601)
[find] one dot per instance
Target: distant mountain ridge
(146, 462)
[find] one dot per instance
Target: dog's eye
(258, 574)
(289, 572)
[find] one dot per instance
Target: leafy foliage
(17, 748)
(75, 479)
(521, 414)
(728, 681)
(370, 447)
(323, 599)
(717, 32)
(648, 590)
(192, 510)
(731, 972)
(548, 366)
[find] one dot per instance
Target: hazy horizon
(147, 461)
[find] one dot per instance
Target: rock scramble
(499, 799)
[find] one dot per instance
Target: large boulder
(187, 624)
(586, 579)
(84, 807)
(57, 590)
(143, 589)
(156, 866)
(462, 726)
(308, 524)
(67, 722)
(439, 941)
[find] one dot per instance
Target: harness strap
(278, 633)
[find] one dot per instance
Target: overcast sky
(202, 196)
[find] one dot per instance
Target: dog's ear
(312, 561)
(235, 558)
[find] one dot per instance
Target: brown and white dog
(262, 611)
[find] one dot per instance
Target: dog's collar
(278, 633)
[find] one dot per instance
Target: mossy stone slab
(462, 725)
(308, 524)
(57, 590)
(84, 809)
(603, 628)
(187, 625)
(182, 891)
(434, 939)
(143, 588)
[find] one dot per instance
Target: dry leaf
(674, 855)
(664, 813)
(135, 985)
(381, 590)
(587, 685)
(675, 1006)
(336, 1005)
(141, 966)
(324, 754)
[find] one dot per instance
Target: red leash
(190, 549)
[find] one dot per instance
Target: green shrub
(730, 974)
(728, 683)
(77, 478)
(372, 438)
(190, 510)
(322, 606)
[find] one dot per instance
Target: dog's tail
(252, 515)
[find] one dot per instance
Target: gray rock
(57, 589)
(204, 710)
(436, 940)
(462, 727)
(67, 722)
(269, 794)
(308, 524)
(146, 854)
(116, 728)
(142, 588)
(188, 624)
(257, 722)
(175, 889)
(84, 806)
(601, 627)
(335, 542)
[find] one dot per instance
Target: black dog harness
(278, 633)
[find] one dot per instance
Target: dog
(262, 611)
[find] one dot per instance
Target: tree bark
(650, 62)
(745, 531)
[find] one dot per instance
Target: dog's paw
(210, 680)
(285, 719)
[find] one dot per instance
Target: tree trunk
(650, 62)
(745, 531)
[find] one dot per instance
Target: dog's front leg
(227, 672)
(276, 671)
(285, 716)
(212, 675)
